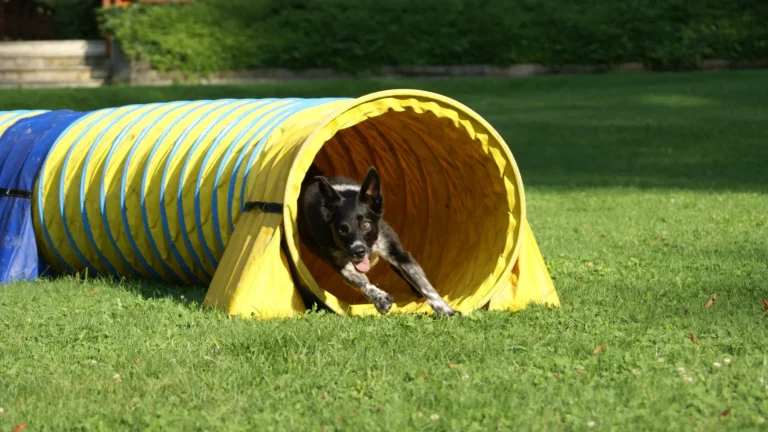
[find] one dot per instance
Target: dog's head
(353, 216)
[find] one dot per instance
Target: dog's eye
(343, 229)
(366, 225)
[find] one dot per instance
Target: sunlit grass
(645, 202)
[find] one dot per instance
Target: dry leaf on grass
(590, 265)
(726, 412)
(19, 427)
(765, 305)
(453, 365)
(599, 349)
(94, 292)
(693, 338)
(711, 301)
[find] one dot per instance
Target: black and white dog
(341, 222)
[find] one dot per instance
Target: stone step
(52, 62)
(89, 83)
(70, 74)
(64, 48)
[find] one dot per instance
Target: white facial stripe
(346, 187)
(357, 243)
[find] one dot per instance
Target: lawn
(648, 194)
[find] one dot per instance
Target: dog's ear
(331, 197)
(370, 191)
(314, 171)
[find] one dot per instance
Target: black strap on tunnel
(266, 207)
(18, 193)
(309, 298)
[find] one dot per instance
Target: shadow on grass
(692, 131)
(653, 140)
(151, 290)
(148, 289)
(704, 155)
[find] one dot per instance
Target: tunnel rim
(312, 145)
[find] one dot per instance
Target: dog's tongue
(363, 266)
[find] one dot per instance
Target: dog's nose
(358, 251)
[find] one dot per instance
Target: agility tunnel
(205, 193)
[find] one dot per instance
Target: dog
(341, 222)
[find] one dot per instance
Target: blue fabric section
(23, 149)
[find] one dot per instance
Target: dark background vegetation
(75, 19)
(356, 35)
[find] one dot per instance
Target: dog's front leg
(412, 272)
(376, 295)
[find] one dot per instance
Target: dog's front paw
(445, 310)
(383, 303)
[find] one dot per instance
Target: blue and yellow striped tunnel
(157, 191)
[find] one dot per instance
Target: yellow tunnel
(158, 191)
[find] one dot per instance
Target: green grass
(647, 194)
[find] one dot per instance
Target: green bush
(356, 35)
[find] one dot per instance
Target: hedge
(356, 35)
